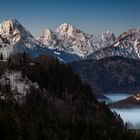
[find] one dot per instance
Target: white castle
(5, 48)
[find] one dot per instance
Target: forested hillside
(112, 74)
(61, 107)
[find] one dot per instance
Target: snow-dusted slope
(113, 51)
(70, 39)
(74, 40)
(67, 38)
(104, 40)
(68, 43)
(49, 38)
(21, 40)
(126, 45)
(130, 40)
(17, 35)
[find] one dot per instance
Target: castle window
(1, 56)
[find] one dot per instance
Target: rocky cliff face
(16, 34)
(15, 83)
(126, 45)
(70, 39)
(68, 43)
(113, 51)
(20, 40)
(130, 40)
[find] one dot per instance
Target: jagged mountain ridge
(21, 40)
(113, 51)
(70, 39)
(18, 37)
(130, 40)
(16, 33)
(127, 45)
(68, 43)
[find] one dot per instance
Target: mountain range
(42, 98)
(68, 43)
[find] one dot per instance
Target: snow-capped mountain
(74, 40)
(17, 35)
(130, 40)
(70, 39)
(21, 40)
(126, 45)
(49, 38)
(67, 43)
(103, 40)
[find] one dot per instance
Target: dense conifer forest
(62, 108)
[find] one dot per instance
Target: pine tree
(24, 58)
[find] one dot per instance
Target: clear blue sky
(92, 16)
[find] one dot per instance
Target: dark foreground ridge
(61, 108)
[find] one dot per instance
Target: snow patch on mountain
(67, 43)
(18, 37)
(48, 38)
(130, 40)
(70, 39)
(15, 32)
(126, 45)
(20, 40)
(113, 51)
(103, 40)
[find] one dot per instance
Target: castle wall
(5, 51)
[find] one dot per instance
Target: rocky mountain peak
(108, 38)
(70, 39)
(13, 31)
(48, 38)
(66, 28)
(47, 31)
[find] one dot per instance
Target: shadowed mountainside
(113, 74)
(61, 106)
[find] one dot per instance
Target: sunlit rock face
(14, 38)
(49, 39)
(130, 40)
(20, 40)
(70, 39)
(126, 45)
(17, 84)
(17, 36)
(15, 32)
